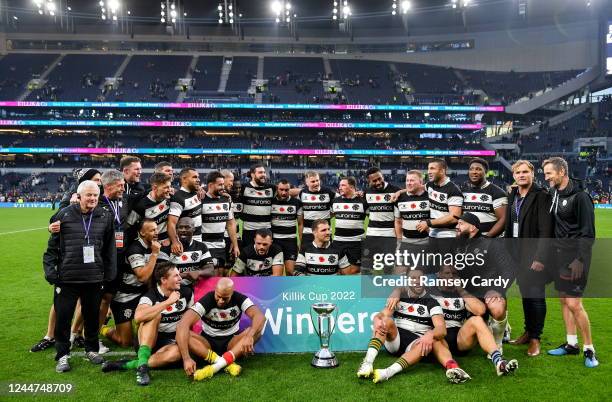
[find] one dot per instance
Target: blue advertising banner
(286, 303)
(25, 205)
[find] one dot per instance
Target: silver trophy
(324, 358)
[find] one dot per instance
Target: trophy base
(324, 358)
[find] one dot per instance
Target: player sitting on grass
(463, 333)
(158, 314)
(411, 329)
(220, 311)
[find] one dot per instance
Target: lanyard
(115, 210)
(86, 227)
(517, 206)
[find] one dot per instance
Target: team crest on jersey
(564, 203)
(267, 262)
(332, 259)
(322, 197)
(238, 207)
(387, 197)
(421, 310)
(195, 256)
(484, 197)
(310, 258)
(268, 192)
(179, 305)
(442, 197)
(127, 313)
(290, 210)
(233, 313)
(457, 303)
(225, 207)
(355, 207)
(423, 205)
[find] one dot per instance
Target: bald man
(220, 311)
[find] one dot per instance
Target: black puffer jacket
(63, 260)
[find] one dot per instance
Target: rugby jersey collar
(445, 182)
(321, 248)
(185, 190)
(161, 292)
(485, 184)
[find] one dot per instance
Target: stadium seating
(149, 78)
(294, 79)
(16, 70)
(78, 77)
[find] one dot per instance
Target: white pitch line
(21, 231)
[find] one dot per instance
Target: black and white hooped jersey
(221, 321)
(453, 306)
(187, 204)
(249, 263)
(236, 209)
(483, 201)
(148, 208)
(412, 208)
(194, 257)
(316, 205)
(137, 256)
(381, 210)
(321, 261)
(285, 215)
(415, 313)
(350, 215)
(256, 206)
(172, 314)
(216, 211)
(440, 198)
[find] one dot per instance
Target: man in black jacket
(527, 219)
(574, 216)
(78, 260)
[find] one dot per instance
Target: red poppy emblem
(312, 198)
(259, 193)
(321, 259)
(473, 197)
(222, 315)
(410, 309)
(161, 207)
(378, 198)
(413, 206)
(346, 206)
(184, 257)
(282, 209)
(169, 308)
(446, 303)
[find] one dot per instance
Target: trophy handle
(331, 331)
(314, 323)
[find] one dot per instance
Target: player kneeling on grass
(157, 315)
(463, 333)
(411, 329)
(220, 311)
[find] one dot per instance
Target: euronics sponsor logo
(284, 106)
(242, 151)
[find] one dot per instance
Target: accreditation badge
(88, 255)
(119, 239)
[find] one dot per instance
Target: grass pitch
(26, 299)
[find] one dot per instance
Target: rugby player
(411, 330)
(263, 258)
(158, 313)
(220, 311)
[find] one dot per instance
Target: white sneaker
(457, 375)
(102, 348)
(380, 375)
(365, 370)
(62, 364)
